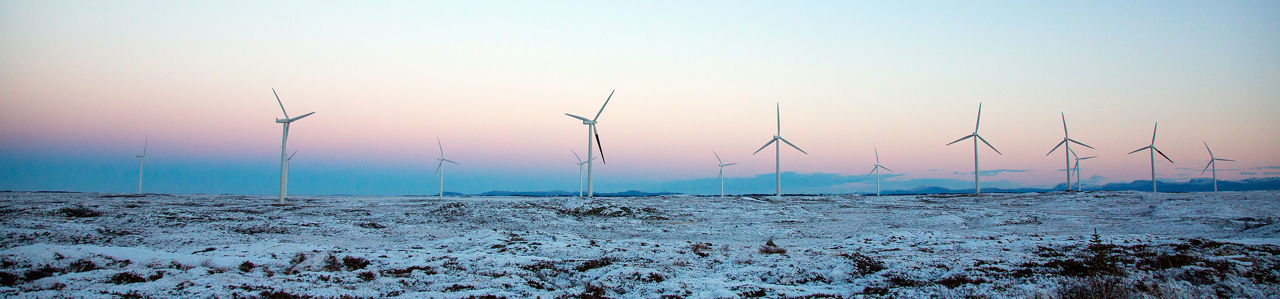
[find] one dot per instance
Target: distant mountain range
(1192, 185)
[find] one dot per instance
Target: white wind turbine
(976, 188)
(722, 165)
(284, 160)
(1212, 163)
(1153, 150)
(876, 169)
(141, 157)
(591, 133)
(1079, 186)
(580, 164)
(440, 166)
(777, 153)
(1066, 140)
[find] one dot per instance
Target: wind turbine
(284, 160)
(876, 169)
(722, 165)
(591, 133)
(1212, 163)
(1079, 186)
(777, 153)
(1066, 140)
(1153, 150)
(141, 157)
(440, 165)
(580, 164)
(977, 189)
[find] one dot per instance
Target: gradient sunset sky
(83, 83)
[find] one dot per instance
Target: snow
(1003, 245)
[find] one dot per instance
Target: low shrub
(125, 278)
(81, 265)
(352, 263)
(38, 273)
(367, 276)
(79, 212)
(771, 248)
(593, 264)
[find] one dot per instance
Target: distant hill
(1193, 185)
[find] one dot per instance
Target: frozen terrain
(1005, 245)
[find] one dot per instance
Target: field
(1199, 245)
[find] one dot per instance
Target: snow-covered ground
(1009, 245)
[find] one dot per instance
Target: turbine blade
(606, 103)
(885, 168)
(1138, 150)
(286, 113)
(1206, 167)
(144, 146)
(295, 152)
(1089, 157)
(717, 157)
(575, 155)
(600, 147)
(1223, 159)
(1153, 133)
(1081, 144)
(793, 145)
(300, 117)
(877, 155)
(1162, 154)
(578, 117)
(1056, 147)
(1206, 147)
(729, 164)
(441, 146)
(765, 145)
(989, 145)
(451, 161)
(979, 121)
(1064, 124)
(961, 139)
(873, 169)
(779, 111)
(439, 166)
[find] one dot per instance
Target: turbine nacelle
(289, 120)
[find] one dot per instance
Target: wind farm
(207, 213)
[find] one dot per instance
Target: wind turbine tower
(777, 153)
(1067, 141)
(977, 189)
(141, 157)
(722, 165)
(1079, 185)
(1153, 150)
(440, 166)
(1212, 163)
(580, 164)
(592, 133)
(876, 169)
(284, 139)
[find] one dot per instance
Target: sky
(84, 84)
